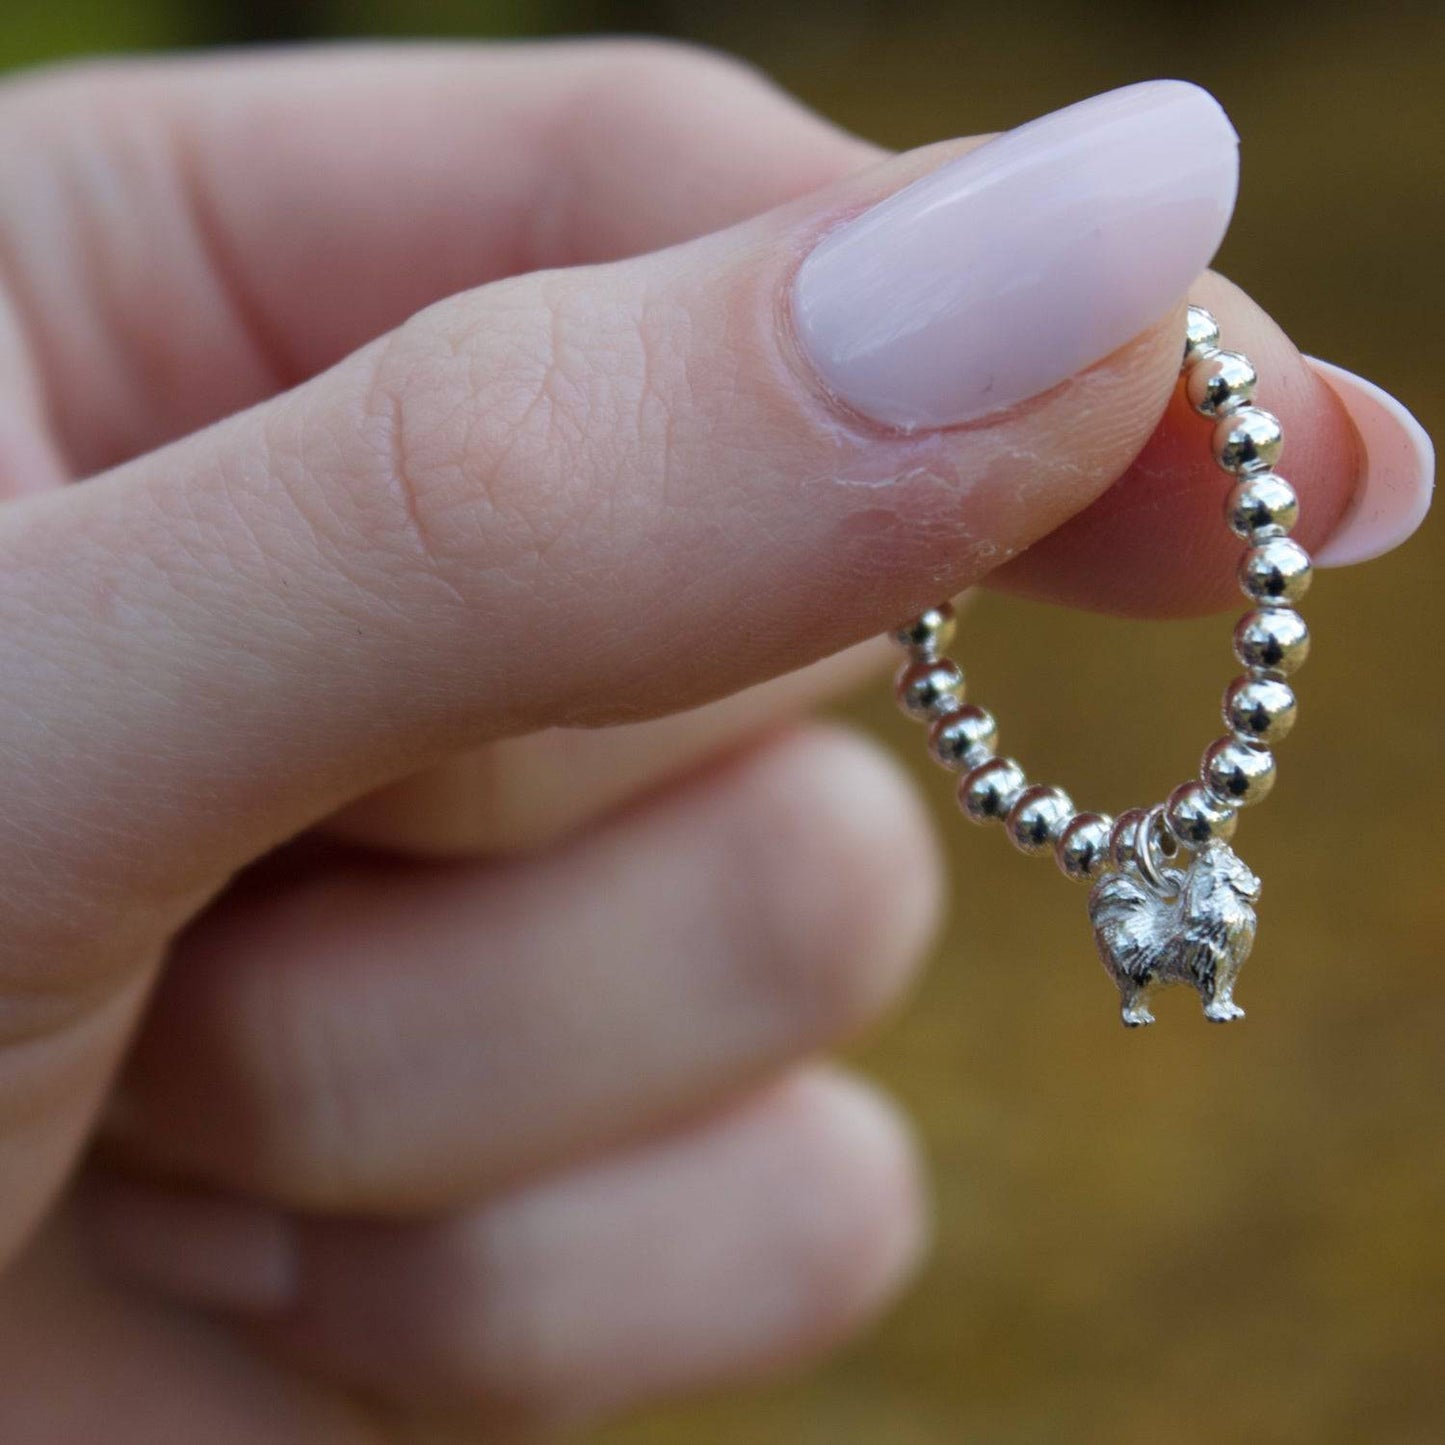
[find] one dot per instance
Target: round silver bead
(1261, 507)
(1124, 839)
(1082, 851)
(1201, 334)
(987, 792)
(1259, 709)
(1236, 773)
(1220, 381)
(1248, 440)
(1194, 816)
(964, 738)
(1272, 639)
(1275, 572)
(1037, 818)
(929, 688)
(929, 633)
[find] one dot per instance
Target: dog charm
(1198, 930)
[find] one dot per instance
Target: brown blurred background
(1190, 1234)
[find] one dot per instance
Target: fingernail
(1002, 273)
(1397, 466)
(209, 1251)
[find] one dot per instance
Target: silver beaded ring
(1155, 922)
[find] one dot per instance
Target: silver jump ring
(1151, 831)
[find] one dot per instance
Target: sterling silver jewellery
(1171, 902)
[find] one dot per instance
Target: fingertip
(852, 874)
(870, 1225)
(1155, 544)
(1396, 478)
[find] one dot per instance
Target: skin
(386, 1053)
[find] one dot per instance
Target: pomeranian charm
(1157, 925)
(1171, 902)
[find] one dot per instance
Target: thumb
(586, 495)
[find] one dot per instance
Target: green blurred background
(1189, 1234)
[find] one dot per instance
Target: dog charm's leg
(1219, 1004)
(1135, 1011)
(1222, 1007)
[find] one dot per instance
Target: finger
(522, 794)
(401, 1039)
(231, 226)
(722, 1254)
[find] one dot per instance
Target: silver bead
(1124, 840)
(1220, 381)
(1272, 639)
(1082, 851)
(1259, 709)
(1194, 816)
(1275, 572)
(964, 738)
(987, 792)
(1236, 773)
(929, 688)
(1261, 507)
(929, 633)
(1247, 440)
(1201, 334)
(1038, 816)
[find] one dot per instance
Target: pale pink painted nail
(1004, 272)
(1397, 471)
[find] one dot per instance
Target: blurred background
(1189, 1234)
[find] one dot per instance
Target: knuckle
(488, 429)
(90, 83)
(307, 1143)
(297, 1088)
(649, 69)
(366, 472)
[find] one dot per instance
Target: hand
(505, 1117)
